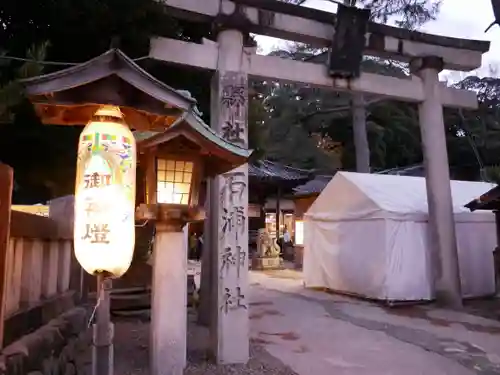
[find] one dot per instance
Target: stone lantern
(175, 151)
(174, 163)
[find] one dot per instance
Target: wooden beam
(7, 182)
(204, 56)
(312, 26)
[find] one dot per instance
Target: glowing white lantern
(299, 232)
(104, 231)
(174, 180)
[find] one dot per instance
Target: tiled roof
(315, 186)
(193, 119)
(266, 169)
(416, 170)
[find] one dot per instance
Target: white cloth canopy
(367, 234)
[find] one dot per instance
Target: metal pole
(102, 351)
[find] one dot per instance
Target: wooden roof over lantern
(158, 113)
(192, 135)
(71, 96)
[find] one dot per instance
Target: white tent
(367, 234)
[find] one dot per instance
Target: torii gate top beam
(306, 25)
(205, 56)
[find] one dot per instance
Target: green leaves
(492, 174)
(11, 92)
(409, 14)
(36, 55)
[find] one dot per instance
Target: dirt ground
(296, 331)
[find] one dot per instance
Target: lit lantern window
(174, 179)
(104, 227)
(299, 232)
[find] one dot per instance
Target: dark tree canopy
(406, 13)
(290, 123)
(43, 157)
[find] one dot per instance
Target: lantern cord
(98, 302)
(56, 63)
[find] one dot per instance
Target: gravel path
(132, 357)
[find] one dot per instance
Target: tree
(43, 157)
(405, 13)
(474, 135)
(323, 117)
(392, 127)
(11, 91)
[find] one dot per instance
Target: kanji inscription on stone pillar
(231, 241)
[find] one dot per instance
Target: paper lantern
(104, 226)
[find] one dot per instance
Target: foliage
(80, 30)
(492, 174)
(320, 121)
(407, 13)
(11, 91)
(281, 135)
(43, 157)
(474, 135)
(291, 123)
(311, 128)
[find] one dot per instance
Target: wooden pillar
(278, 214)
(496, 252)
(6, 183)
(229, 331)
(31, 288)
(497, 226)
(439, 199)
(67, 267)
(169, 300)
(71, 274)
(14, 270)
(50, 272)
(206, 265)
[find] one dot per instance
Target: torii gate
(233, 63)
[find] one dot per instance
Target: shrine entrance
(224, 289)
(349, 36)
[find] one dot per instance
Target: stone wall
(61, 347)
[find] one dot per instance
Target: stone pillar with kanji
(229, 330)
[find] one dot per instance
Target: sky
(457, 18)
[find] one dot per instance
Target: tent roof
(369, 193)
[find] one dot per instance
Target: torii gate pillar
(361, 145)
(228, 213)
(441, 221)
